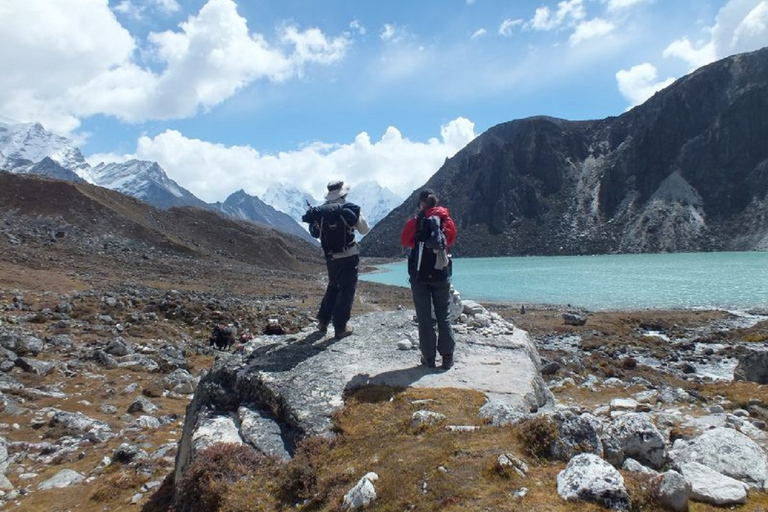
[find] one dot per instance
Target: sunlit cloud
(91, 69)
(640, 82)
(591, 29)
(213, 171)
(568, 12)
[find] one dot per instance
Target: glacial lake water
(725, 280)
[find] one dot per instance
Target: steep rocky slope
(685, 171)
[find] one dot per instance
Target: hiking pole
(421, 251)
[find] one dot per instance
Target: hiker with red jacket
(429, 235)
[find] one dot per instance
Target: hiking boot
(429, 363)
(347, 331)
(322, 327)
(447, 362)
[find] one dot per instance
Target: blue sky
(229, 94)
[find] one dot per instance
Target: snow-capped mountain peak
(288, 199)
(374, 200)
(28, 143)
(144, 180)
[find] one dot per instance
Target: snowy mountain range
(144, 180)
(27, 148)
(30, 149)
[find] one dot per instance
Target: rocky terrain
(106, 307)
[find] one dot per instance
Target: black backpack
(429, 237)
(333, 224)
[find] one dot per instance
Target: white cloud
(358, 27)
(388, 32)
(640, 83)
(213, 171)
(508, 25)
(129, 9)
(596, 27)
(741, 26)
(71, 43)
(313, 46)
(168, 6)
(616, 5)
(137, 10)
(89, 68)
(478, 33)
(568, 13)
(695, 57)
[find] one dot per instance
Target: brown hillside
(99, 234)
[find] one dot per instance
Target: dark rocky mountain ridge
(685, 171)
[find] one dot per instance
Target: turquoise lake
(728, 280)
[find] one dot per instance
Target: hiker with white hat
(334, 223)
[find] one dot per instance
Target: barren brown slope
(102, 235)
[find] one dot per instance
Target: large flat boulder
(301, 379)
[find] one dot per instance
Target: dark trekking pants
(340, 292)
(426, 295)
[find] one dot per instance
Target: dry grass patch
(208, 482)
(733, 395)
(611, 324)
(419, 469)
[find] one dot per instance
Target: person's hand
(310, 215)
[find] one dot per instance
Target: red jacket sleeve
(449, 228)
(408, 234)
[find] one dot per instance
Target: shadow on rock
(394, 378)
(283, 357)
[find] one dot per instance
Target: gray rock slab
(505, 367)
(313, 372)
(64, 478)
(673, 492)
(709, 486)
(262, 431)
(219, 429)
(728, 452)
(302, 378)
